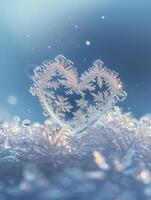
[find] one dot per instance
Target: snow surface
(109, 160)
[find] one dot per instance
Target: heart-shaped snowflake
(75, 102)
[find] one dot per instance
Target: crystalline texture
(76, 102)
(45, 161)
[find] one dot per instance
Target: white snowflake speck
(88, 43)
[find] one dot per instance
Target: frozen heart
(73, 101)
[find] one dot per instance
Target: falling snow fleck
(103, 17)
(88, 43)
(28, 35)
(76, 26)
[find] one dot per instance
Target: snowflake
(98, 98)
(82, 103)
(79, 117)
(63, 94)
(92, 110)
(62, 104)
(54, 85)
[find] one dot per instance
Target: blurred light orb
(12, 100)
(76, 26)
(88, 43)
(28, 35)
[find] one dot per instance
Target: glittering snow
(111, 161)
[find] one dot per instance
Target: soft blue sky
(122, 40)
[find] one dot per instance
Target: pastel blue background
(35, 30)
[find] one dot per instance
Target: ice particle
(12, 100)
(28, 35)
(26, 123)
(61, 107)
(88, 43)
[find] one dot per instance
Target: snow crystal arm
(68, 99)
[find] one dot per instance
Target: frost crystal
(76, 102)
(112, 160)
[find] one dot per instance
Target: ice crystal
(68, 98)
(111, 161)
